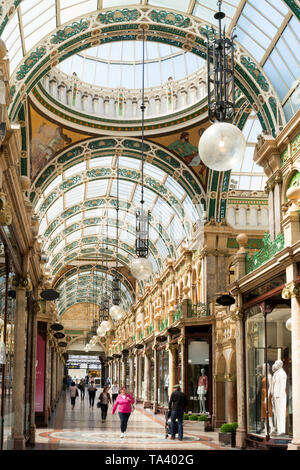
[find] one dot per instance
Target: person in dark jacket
(177, 404)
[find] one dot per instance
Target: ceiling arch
(183, 30)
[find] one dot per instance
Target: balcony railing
(198, 310)
(269, 249)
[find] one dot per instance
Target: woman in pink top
(123, 401)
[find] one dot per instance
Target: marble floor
(82, 429)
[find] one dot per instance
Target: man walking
(177, 404)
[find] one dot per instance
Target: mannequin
(202, 390)
(263, 412)
(279, 391)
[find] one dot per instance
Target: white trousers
(280, 413)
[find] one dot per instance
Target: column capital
(181, 339)
(22, 282)
(237, 314)
(290, 290)
(171, 347)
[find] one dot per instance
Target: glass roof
(249, 175)
(68, 237)
(119, 64)
(267, 29)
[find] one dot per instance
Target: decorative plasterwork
(160, 27)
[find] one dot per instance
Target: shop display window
(269, 372)
(198, 367)
(163, 378)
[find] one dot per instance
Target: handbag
(99, 404)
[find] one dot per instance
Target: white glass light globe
(222, 147)
(116, 312)
(105, 325)
(288, 324)
(141, 268)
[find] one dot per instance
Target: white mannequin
(202, 390)
(279, 391)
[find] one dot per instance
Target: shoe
(121, 435)
(179, 438)
(172, 438)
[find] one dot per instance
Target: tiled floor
(82, 429)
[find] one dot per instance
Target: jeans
(92, 398)
(82, 392)
(179, 415)
(104, 411)
(123, 421)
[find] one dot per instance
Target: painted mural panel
(47, 139)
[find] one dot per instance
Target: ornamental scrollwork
(290, 290)
(22, 282)
(5, 212)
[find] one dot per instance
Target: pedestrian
(124, 402)
(73, 394)
(104, 399)
(92, 392)
(178, 402)
(69, 381)
(114, 391)
(82, 388)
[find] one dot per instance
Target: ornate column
(231, 388)
(155, 395)
(137, 373)
(21, 284)
(182, 346)
(172, 348)
(123, 380)
(53, 378)
(147, 366)
(131, 372)
(35, 310)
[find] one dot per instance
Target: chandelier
(141, 267)
(116, 311)
(222, 145)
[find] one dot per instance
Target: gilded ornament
(290, 290)
(22, 282)
(5, 213)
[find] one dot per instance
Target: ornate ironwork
(269, 249)
(220, 73)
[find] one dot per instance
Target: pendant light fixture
(105, 325)
(116, 312)
(222, 145)
(141, 267)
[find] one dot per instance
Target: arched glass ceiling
(73, 222)
(88, 285)
(266, 28)
(249, 175)
(119, 64)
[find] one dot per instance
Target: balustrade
(125, 103)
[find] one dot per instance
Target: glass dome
(119, 64)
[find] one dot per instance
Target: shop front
(268, 372)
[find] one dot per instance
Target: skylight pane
(175, 188)
(162, 211)
(176, 230)
(129, 162)
(189, 209)
(74, 196)
(42, 226)
(53, 184)
(154, 171)
(100, 162)
(80, 167)
(74, 236)
(55, 209)
(59, 247)
(125, 189)
(180, 5)
(94, 230)
(116, 3)
(79, 9)
(96, 188)
(254, 49)
(73, 219)
(163, 251)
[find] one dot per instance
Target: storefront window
(198, 366)
(141, 381)
(163, 378)
(269, 400)
(152, 379)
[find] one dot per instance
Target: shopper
(177, 404)
(73, 394)
(92, 392)
(114, 391)
(81, 387)
(104, 399)
(124, 402)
